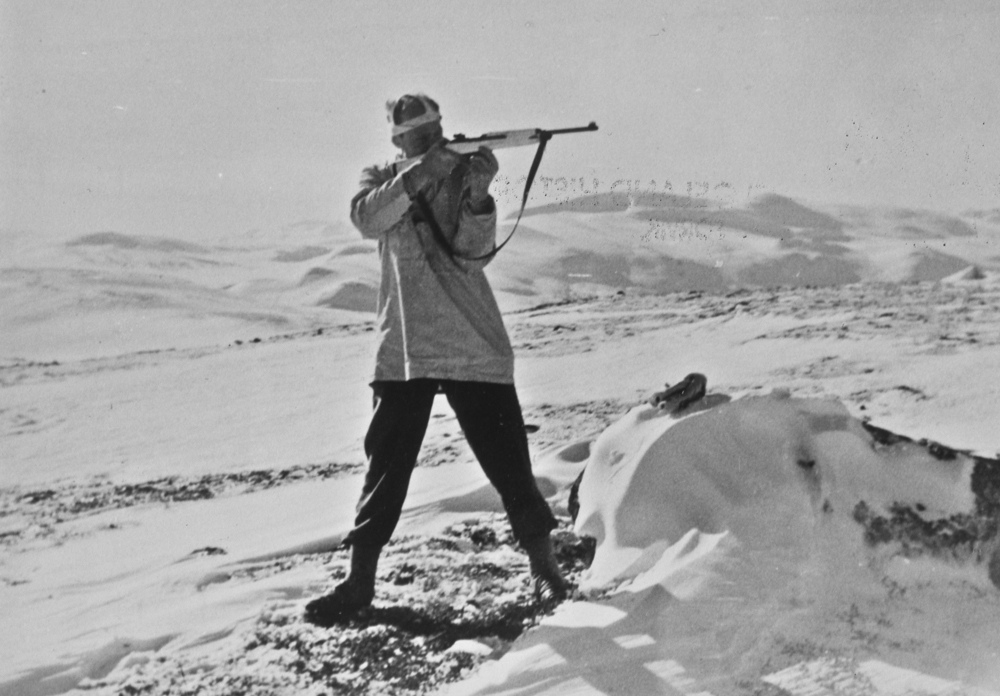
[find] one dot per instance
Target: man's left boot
(353, 594)
(550, 586)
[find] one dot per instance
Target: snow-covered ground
(181, 424)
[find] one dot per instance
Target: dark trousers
(490, 417)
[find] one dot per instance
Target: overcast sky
(192, 118)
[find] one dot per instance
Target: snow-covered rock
(771, 472)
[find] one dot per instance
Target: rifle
(463, 145)
(498, 140)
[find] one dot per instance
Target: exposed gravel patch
(37, 513)
(444, 605)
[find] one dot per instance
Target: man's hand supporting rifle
(439, 162)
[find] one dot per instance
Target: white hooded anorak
(437, 315)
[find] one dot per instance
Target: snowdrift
(773, 538)
(777, 472)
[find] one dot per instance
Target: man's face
(416, 142)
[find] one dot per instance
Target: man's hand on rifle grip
(436, 164)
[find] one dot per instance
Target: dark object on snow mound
(678, 397)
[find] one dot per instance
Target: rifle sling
(428, 215)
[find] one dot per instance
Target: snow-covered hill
(107, 292)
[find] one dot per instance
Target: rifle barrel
(592, 126)
(501, 135)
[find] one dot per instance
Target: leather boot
(545, 573)
(353, 594)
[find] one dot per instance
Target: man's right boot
(353, 594)
(549, 584)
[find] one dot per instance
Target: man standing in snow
(439, 329)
